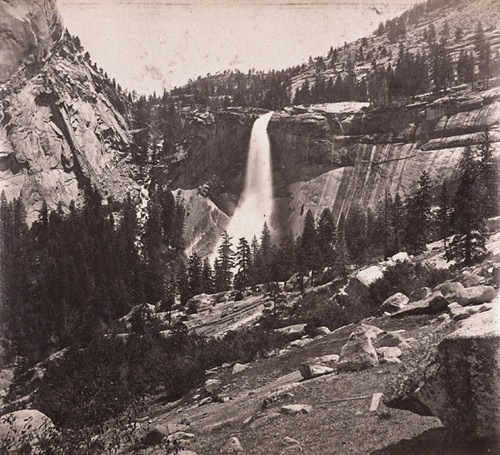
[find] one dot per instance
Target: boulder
(292, 332)
(432, 305)
(420, 294)
(469, 279)
(389, 354)
(239, 367)
(437, 304)
(312, 370)
(371, 331)
(26, 427)
(300, 343)
(321, 331)
(212, 385)
(459, 382)
(477, 295)
(232, 446)
(452, 290)
(394, 303)
(458, 312)
(358, 353)
(294, 409)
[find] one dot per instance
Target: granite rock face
(29, 29)
(63, 126)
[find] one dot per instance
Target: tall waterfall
(256, 202)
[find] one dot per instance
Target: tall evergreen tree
(468, 243)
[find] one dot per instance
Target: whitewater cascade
(256, 201)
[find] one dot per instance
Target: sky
(151, 45)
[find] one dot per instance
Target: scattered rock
(239, 367)
(294, 409)
(312, 370)
(292, 332)
(394, 303)
(26, 427)
(232, 446)
(459, 383)
(358, 353)
(321, 331)
(420, 294)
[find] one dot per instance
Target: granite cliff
(338, 155)
(63, 126)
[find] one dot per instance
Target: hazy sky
(149, 45)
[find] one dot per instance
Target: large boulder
(460, 382)
(26, 428)
(473, 295)
(434, 304)
(358, 353)
(292, 332)
(394, 303)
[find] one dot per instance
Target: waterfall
(256, 201)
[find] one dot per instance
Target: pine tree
(244, 264)
(488, 177)
(194, 275)
(225, 263)
(309, 245)
(444, 218)
(327, 237)
(483, 51)
(418, 215)
(207, 278)
(182, 282)
(468, 244)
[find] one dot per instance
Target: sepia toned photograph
(256, 227)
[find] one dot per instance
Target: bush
(406, 277)
(95, 383)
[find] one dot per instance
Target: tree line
(362, 235)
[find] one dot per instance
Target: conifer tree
(468, 244)
(244, 264)
(327, 237)
(225, 264)
(194, 275)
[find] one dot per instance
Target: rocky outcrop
(460, 383)
(63, 127)
(29, 29)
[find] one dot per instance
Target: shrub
(406, 277)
